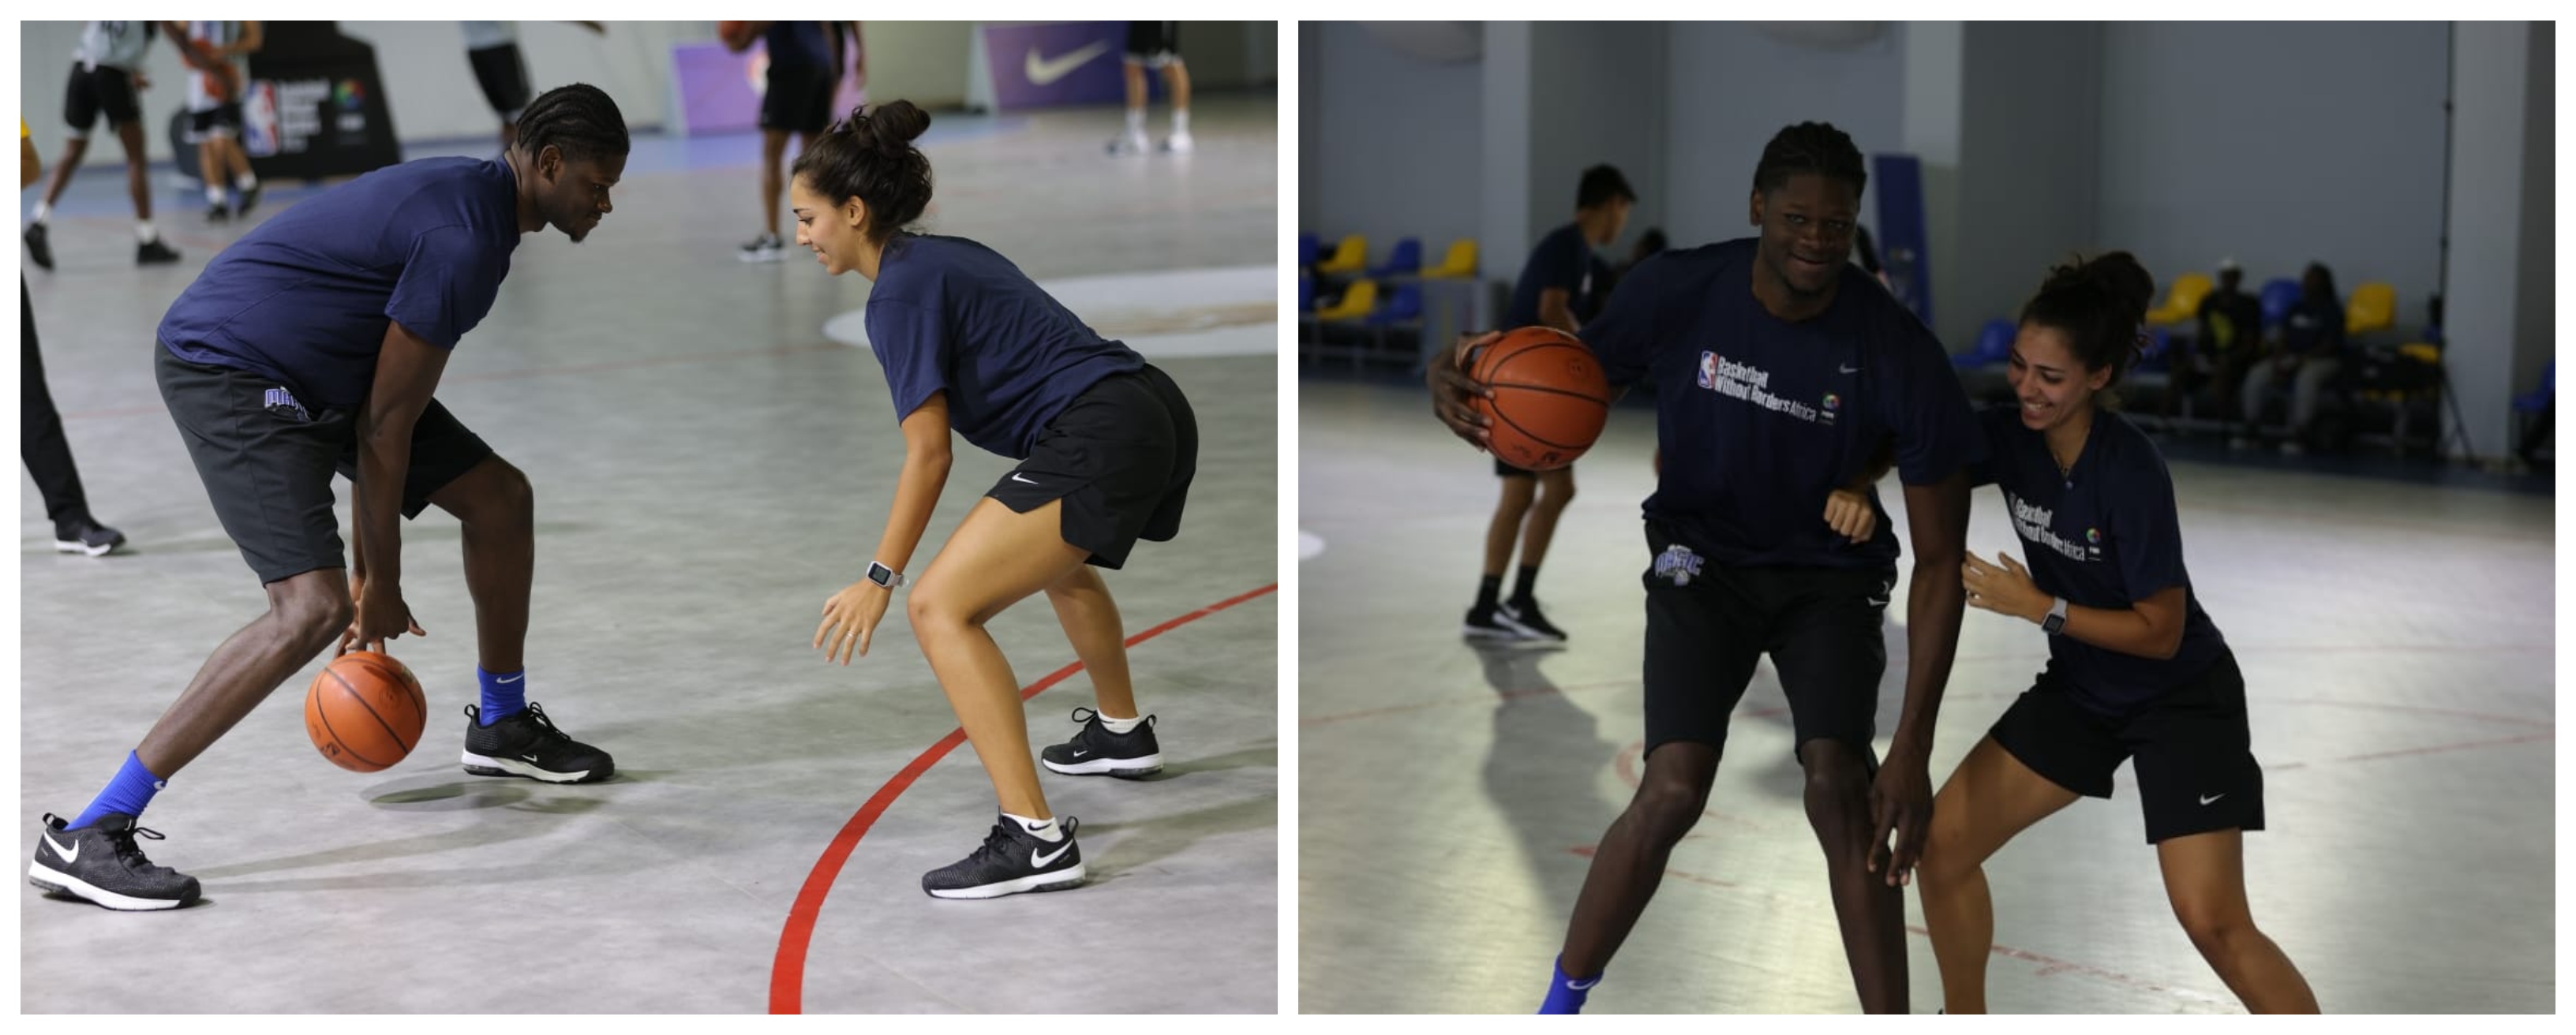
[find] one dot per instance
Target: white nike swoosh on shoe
(70, 855)
(1044, 859)
(1044, 70)
(1079, 752)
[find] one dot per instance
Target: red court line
(787, 972)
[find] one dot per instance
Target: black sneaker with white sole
(1524, 618)
(1011, 861)
(39, 250)
(155, 253)
(1484, 623)
(528, 744)
(100, 863)
(86, 536)
(1096, 750)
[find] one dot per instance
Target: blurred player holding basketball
(1106, 446)
(1779, 373)
(303, 350)
(1556, 289)
(215, 51)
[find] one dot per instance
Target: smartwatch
(884, 576)
(2052, 625)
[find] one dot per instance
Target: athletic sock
(1122, 726)
(504, 694)
(144, 232)
(127, 794)
(1043, 830)
(215, 194)
(1488, 592)
(43, 210)
(1566, 994)
(1523, 583)
(246, 181)
(1180, 120)
(1136, 122)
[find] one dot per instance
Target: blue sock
(1565, 994)
(504, 694)
(132, 789)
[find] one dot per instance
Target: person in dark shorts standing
(41, 445)
(215, 52)
(492, 48)
(1106, 445)
(1155, 45)
(804, 71)
(305, 350)
(1780, 372)
(2136, 669)
(1561, 286)
(107, 73)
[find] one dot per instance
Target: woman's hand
(850, 620)
(2004, 590)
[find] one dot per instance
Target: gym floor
(711, 463)
(2395, 638)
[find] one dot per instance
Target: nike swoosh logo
(1849, 370)
(1043, 70)
(1045, 859)
(2206, 799)
(1582, 986)
(1015, 476)
(1079, 753)
(512, 679)
(70, 855)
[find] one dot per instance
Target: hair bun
(889, 126)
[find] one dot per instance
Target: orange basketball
(365, 711)
(1550, 399)
(736, 35)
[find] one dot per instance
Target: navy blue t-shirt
(951, 315)
(1760, 419)
(803, 45)
(306, 296)
(1563, 260)
(2105, 535)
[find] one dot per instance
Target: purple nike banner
(720, 90)
(1052, 63)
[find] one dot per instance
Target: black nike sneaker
(39, 250)
(1522, 616)
(1011, 861)
(101, 863)
(528, 744)
(1096, 750)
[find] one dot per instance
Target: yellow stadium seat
(2373, 308)
(1356, 301)
(1350, 256)
(1461, 261)
(2182, 301)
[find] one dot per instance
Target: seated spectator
(2308, 354)
(2230, 335)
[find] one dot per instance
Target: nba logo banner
(1708, 370)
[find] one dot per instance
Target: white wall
(1391, 144)
(1731, 87)
(2278, 144)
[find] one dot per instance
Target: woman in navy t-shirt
(1106, 445)
(2136, 669)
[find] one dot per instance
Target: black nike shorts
(2196, 767)
(267, 460)
(1120, 456)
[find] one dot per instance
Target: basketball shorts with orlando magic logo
(1707, 624)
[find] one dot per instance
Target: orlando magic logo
(1678, 565)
